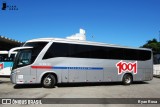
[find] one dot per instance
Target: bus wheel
(127, 79)
(49, 81)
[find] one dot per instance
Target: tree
(152, 44)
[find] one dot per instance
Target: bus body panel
(81, 71)
(23, 75)
(72, 70)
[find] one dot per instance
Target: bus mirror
(17, 48)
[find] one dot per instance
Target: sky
(122, 22)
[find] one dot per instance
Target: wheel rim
(47, 81)
(128, 80)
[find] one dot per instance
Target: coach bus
(50, 61)
(6, 63)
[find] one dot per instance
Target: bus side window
(5, 59)
(0, 58)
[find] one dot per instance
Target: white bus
(49, 61)
(6, 63)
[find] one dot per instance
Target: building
(7, 43)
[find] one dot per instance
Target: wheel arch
(47, 73)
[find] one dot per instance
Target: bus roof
(81, 42)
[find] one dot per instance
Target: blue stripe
(7, 64)
(78, 68)
(59, 67)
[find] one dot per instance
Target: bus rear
(6, 63)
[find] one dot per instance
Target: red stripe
(1, 66)
(41, 67)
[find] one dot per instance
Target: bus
(51, 61)
(6, 63)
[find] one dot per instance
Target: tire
(49, 81)
(127, 79)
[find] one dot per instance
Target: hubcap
(47, 81)
(128, 80)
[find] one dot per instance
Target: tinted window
(130, 54)
(24, 58)
(115, 53)
(37, 47)
(5, 58)
(79, 51)
(28, 56)
(144, 55)
(99, 52)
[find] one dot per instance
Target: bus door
(23, 71)
(27, 59)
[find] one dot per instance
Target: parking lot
(149, 89)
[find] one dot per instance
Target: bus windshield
(24, 58)
(28, 56)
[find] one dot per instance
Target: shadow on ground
(64, 85)
(19, 86)
(3, 82)
(4, 79)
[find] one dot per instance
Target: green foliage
(152, 44)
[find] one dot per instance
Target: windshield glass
(28, 56)
(24, 58)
